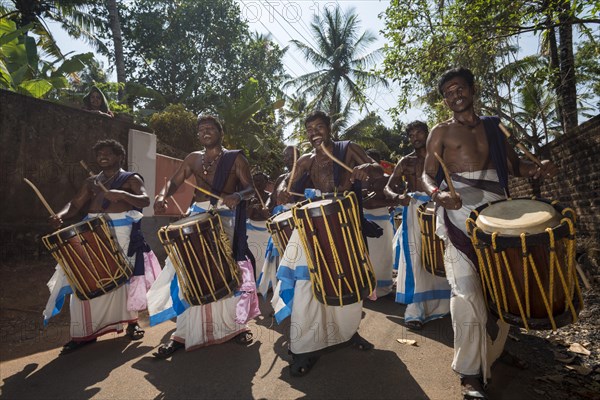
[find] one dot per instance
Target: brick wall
(577, 184)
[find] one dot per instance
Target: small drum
(201, 254)
(92, 260)
(339, 266)
(526, 253)
(281, 226)
(432, 247)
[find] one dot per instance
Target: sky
(287, 20)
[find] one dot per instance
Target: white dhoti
(427, 296)
(199, 326)
(314, 326)
(106, 313)
(258, 240)
(380, 249)
(477, 342)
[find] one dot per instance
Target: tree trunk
(555, 67)
(568, 88)
(115, 27)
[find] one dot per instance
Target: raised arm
(362, 165)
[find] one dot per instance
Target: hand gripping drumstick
(84, 165)
(206, 192)
(446, 174)
(42, 199)
(521, 147)
(173, 198)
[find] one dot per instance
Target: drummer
(479, 160)
(224, 173)
(121, 206)
(427, 296)
(316, 326)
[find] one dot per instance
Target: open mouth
(317, 140)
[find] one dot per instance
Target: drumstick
(341, 164)
(173, 198)
(42, 199)
(447, 174)
(296, 194)
(291, 177)
(84, 165)
(521, 147)
(260, 198)
(206, 192)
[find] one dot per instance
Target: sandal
(361, 343)
(165, 350)
(414, 325)
(134, 331)
(244, 338)
(301, 365)
(472, 389)
(73, 345)
(510, 359)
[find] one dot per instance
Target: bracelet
(433, 193)
(239, 194)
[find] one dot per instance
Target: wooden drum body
(432, 247)
(281, 226)
(339, 266)
(201, 254)
(526, 253)
(91, 258)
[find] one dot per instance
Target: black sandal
(134, 331)
(301, 365)
(165, 350)
(72, 345)
(244, 338)
(361, 343)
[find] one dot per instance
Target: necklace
(205, 167)
(98, 182)
(472, 126)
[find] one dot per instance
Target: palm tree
(73, 16)
(342, 63)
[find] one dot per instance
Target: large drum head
(316, 204)
(513, 217)
(70, 231)
(282, 216)
(191, 220)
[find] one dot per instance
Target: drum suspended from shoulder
(338, 261)
(432, 247)
(526, 254)
(91, 258)
(281, 226)
(202, 256)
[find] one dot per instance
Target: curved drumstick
(341, 164)
(84, 165)
(521, 147)
(173, 198)
(292, 172)
(206, 192)
(446, 174)
(259, 198)
(42, 199)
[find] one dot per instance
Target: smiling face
(318, 131)
(209, 134)
(107, 158)
(458, 95)
(96, 100)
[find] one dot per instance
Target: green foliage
(176, 127)
(22, 70)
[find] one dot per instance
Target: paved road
(116, 368)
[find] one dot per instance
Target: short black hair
(115, 146)
(462, 72)
(317, 114)
(374, 154)
(417, 125)
(210, 118)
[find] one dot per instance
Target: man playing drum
(317, 326)
(121, 206)
(479, 160)
(226, 174)
(426, 295)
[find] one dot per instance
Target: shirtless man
(121, 206)
(225, 173)
(426, 295)
(318, 326)
(480, 160)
